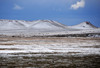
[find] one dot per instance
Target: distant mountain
(47, 24)
(42, 25)
(83, 25)
(11, 24)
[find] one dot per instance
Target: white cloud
(17, 7)
(78, 5)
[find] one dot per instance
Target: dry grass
(46, 40)
(14, 43)
(95, 46)
(9, 49)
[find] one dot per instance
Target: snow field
(71, 48)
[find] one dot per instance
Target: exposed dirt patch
(46, 40)
(10, 49)
(95, 46)
(73, 52)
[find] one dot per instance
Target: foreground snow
(52, 46)
(50, 49)
(83, 49)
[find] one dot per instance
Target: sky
(68, 12)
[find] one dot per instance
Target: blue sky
(68, 12)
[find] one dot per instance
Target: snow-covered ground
(71, 46)
(73, 49)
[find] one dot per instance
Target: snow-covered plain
(69, 46)
(74, 49)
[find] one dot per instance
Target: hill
(83, 25)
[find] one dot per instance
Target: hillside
(11, 24)
(83, 25)
(47, 24)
